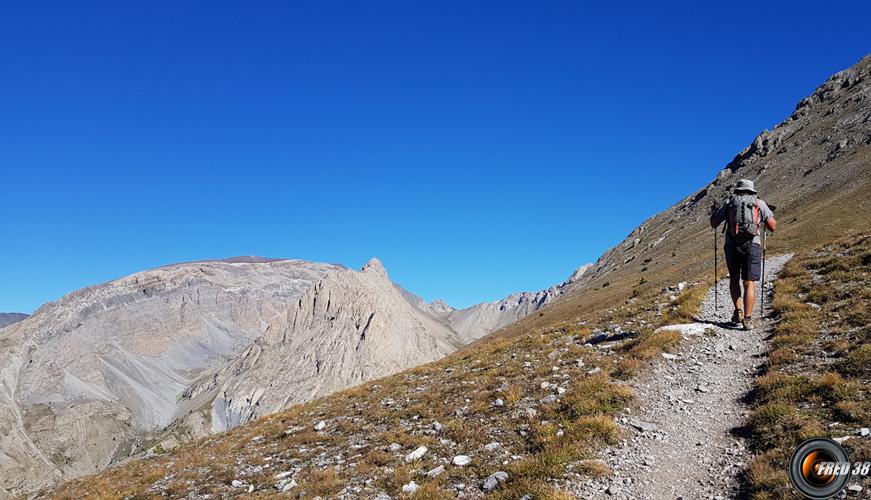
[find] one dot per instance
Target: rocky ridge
(347, 329)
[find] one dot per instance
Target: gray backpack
(743, 215)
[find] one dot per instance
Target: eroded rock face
(347, 328)
(84, 380)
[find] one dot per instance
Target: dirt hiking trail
(684, 439)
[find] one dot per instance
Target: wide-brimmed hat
(745, 185)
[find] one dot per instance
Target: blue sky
(477, 148)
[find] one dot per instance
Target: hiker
(745, 212)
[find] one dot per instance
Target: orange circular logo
(819, 468)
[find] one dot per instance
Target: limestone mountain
(189, 349)
(346, 329)
(86, 377)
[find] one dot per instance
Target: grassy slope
(818, 380)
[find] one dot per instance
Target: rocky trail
(685, 438)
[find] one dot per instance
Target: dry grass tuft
(651, 344)
(686, 307)
(821, 307)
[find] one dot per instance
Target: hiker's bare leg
(749, 297)
(735, 291)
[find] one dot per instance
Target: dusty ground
(685, 437)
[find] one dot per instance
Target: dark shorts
(744, 260)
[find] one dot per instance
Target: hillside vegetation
(818, 379)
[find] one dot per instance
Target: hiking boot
(748, 323)
(736, 317)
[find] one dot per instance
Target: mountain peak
(375, 267)
(440, 306)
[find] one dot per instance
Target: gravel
(680, 441)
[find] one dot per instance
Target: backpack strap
(756, 214)
(730, 217)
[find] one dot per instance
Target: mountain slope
(813, 166)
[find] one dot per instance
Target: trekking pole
(716, 288)
(762, 299)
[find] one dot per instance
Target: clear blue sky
(477, 148)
